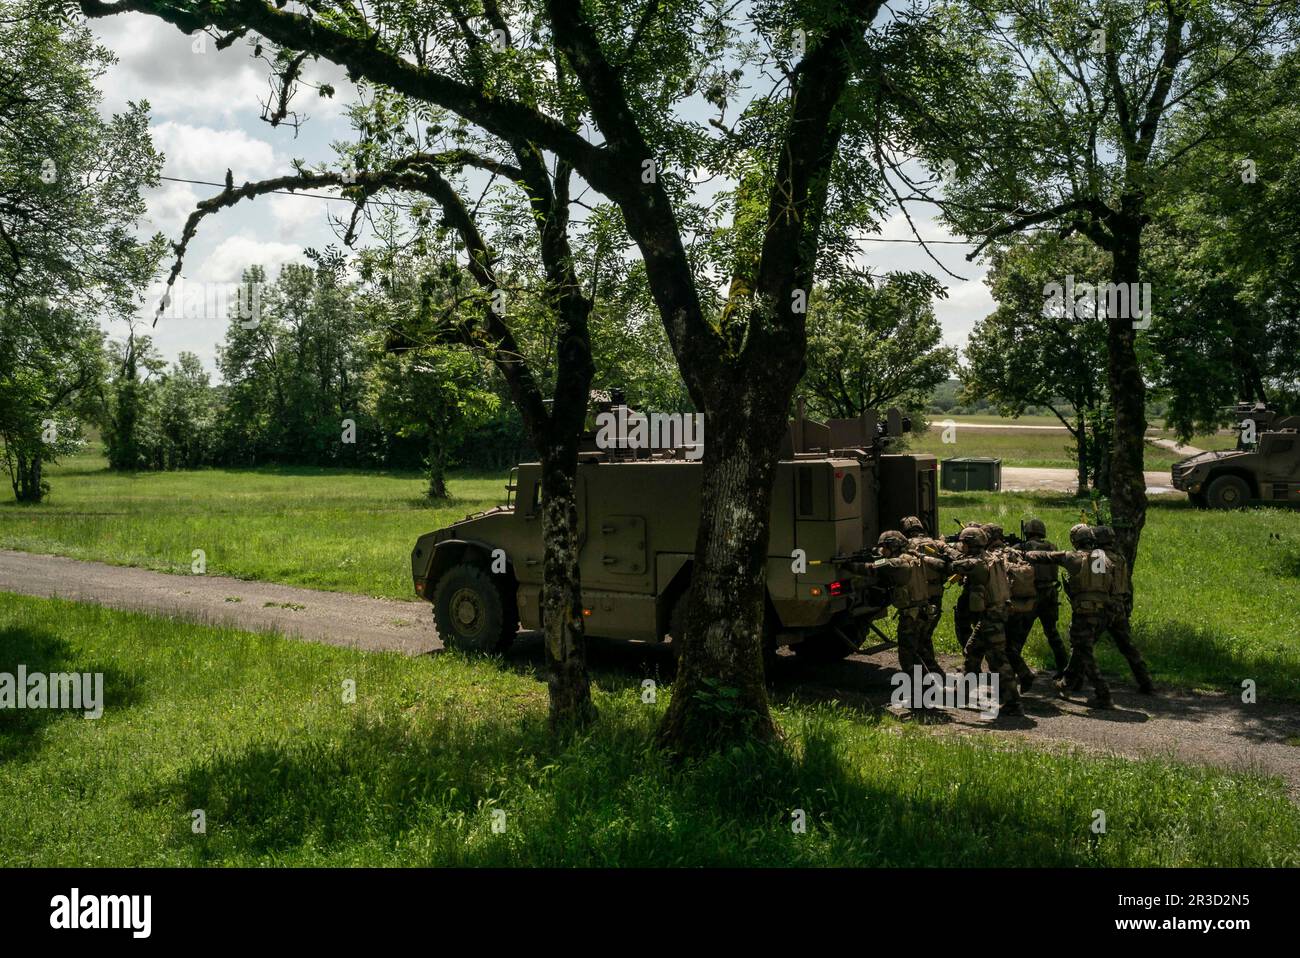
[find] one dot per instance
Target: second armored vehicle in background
(1266, 469)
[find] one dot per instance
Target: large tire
(1228, 492)
(473, 610)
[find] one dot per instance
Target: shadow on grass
(1194, 654)
(42, 651)
(606, 798)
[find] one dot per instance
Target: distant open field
(325, 528)
(1033, 447)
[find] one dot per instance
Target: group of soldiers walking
(1006, 589)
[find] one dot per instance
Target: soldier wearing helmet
(962, 620)
(935, 574)
(987, 595)
(1047, 609)
(1089, 588)
(1120, 608)
(905, 571)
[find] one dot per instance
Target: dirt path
(1028, 479)
(337, 618)
(1175, 447)
(1194, 727)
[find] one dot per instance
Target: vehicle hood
(1215, 456)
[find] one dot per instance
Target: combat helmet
(1034, 527)
(912, 525)
(1104, 536)
(993, 531)
(1081, 536)
(974, 535)
(894, 539)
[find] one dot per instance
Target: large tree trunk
(565, 636)
(719, 696)
(1128, 404)
(437, 491)
(27, 484)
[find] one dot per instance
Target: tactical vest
(1089, 589)
(913, 590)
(937, 550)
(1023, 582)
(1044, 572)
(1121, 584)
(991, 591)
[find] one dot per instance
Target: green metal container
(971, 474)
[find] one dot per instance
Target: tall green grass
(337, 529)
(253, 730)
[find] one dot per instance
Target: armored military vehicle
(836, 488)
(1265, 465)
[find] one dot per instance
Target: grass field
(334, 529)
(1037, 449)
(1219, 592)
(253, 730)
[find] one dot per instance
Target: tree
(51, 365)
(1229, 274)
(620, 73)
(1024, 354)
(70, 194)
(871, 346)
(70, 181)
(1065, 120)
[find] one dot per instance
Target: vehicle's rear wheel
(472, 610)
(1228, 492)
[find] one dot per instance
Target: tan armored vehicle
(1265, 465)
(836, 489)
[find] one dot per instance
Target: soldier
(963, 621)
(1047, 609)
(987, 595)
(1089, 589)
(935, 576)
(1121, 607)
(905, 571)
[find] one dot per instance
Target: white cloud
(295, 215)
(203, 153)
(236, 253)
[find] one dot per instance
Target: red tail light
(839, 587)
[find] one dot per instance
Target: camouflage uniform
(905, 572)
(986, 602)
(1089, 589)
(935, 574)
(1047, 608)
(1014, 623)
(1121, 607)
(963, 620)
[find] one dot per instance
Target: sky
(206, 107)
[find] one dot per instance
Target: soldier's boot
(1011, 709)
(1143, 676)
(1059, 652)
(1101, 691)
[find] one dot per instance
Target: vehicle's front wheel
(472, 611)
(1228, 492)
